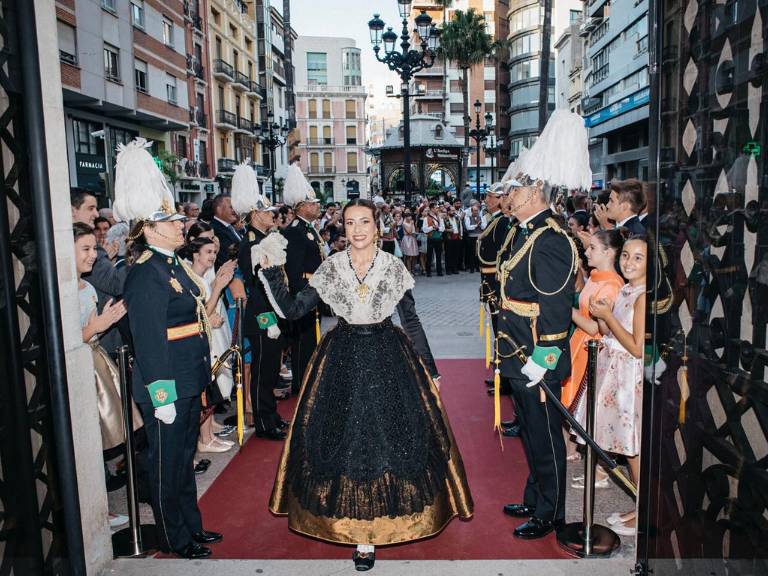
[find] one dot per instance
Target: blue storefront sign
(617, 108)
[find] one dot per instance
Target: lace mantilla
(336, 284)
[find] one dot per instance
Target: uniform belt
(488, 269)
(553, 337)
(526, 309)
(183, 331)
(307, 275)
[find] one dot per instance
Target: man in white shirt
(433, 227)
(474, 224)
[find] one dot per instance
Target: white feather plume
(274, 247)
(513, 170)
(296, 188)
(140, 187)
(245, 189)
(560, 156)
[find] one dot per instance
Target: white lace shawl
(387, 281)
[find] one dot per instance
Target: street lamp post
(406, 63)
(480, 134)
(491, 148)
(273, 137)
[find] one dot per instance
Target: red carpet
(236, 503)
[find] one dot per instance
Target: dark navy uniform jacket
(160, 295)
(304, 254)
(489, 243)
(537, 314)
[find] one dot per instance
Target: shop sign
(618, 108)
(90, 164)
(441, 153)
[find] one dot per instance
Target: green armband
(162, 392)
(266, 320)
(651, 355)
(546, 357)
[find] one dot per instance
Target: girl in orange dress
(604, 283)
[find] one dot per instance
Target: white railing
(324, 88)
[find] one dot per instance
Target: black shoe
(512, 431)
(272, 434)
(193, 551)
(534, 528)
(207, 537)
(506, 389)
(509, 423)
(489, 384)
(202, 466)
(519, 510)
(283, 424)
(363, 562)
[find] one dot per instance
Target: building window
(67, 43)
(167, 32)
(575, 16)
(326, 109)
(314, 162)
(313, 134)
(351, 134)
(170, 86)
(312, 108)
(528, 17)
(327, 138)
(524, 45)
(351, 110)
(111, 63)
(317, 68)
(141, 76)
(327, 161)
(109, 5)
(85, 143)
(352, 162)
(137, 13)
(218, 48)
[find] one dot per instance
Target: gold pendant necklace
(362, 288)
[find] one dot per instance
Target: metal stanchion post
(137, 539)
(586, 539)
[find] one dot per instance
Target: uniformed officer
(304, 255)
(170, 330)
(537, 287)
(488, 245)
(260, 323)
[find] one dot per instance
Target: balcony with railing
(195, 68)
(320, 170)
(255, 90)
(322, 88)
(432, 94)
(226, 120)
(241, 82)
(246, 126)
(226, 166)
(187, 169)
(223, 70)
(319, 142)
(433, 71)
(599, 74)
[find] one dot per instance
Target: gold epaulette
(146, 255)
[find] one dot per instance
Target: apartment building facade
(124, 74)
(330, 115)
(237, 96)
(569, 51)
(526, 28)
(438, 90)
(616, 88)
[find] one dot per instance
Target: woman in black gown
(370, 458)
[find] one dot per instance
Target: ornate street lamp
(492, 146)
(480, 134)
(406, 63)
(273, 136)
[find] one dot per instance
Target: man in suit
(224, 218)
(625, 203)
(260, 323)
(304, 255)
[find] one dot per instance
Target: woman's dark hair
(613, 239)
(206, 210)
(79, 230)
(593, 221)
(193, 247)
(581, 219)
(362, 202)
(195, 230)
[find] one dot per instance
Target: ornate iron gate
(705, 502)
(39, 518)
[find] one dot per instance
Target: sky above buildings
(349, 19)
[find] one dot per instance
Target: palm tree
(466, 42)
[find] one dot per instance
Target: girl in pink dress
(619, 393)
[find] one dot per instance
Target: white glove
(166, 414)
(273, 332)
(534, 372)
(660, 367)
(271, 251)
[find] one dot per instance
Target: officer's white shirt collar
(623, 222)
(496, 213)
(524, 223)
(163, 251)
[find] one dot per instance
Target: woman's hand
(601, 213)
(225, 274)
(584, 237)
(112, 313)
(216, 320)
(600, 309)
